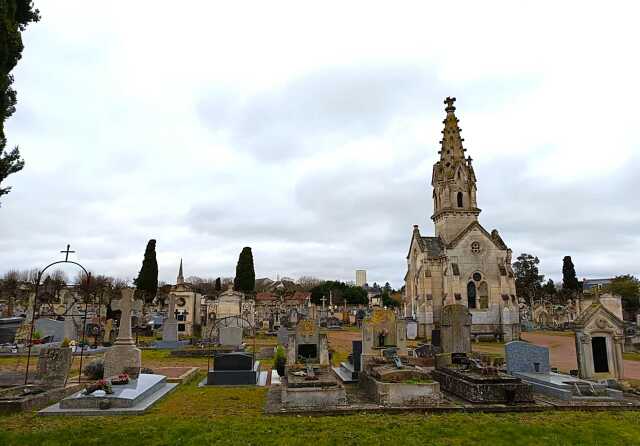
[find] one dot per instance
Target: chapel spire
(180, 280)
(451, 149)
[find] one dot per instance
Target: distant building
(361, 277)
(590, 285)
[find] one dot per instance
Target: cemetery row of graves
(382, 369)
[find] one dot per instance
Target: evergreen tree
(245, 280)
(528, 279)
(15, 15)
(549, 288)
(569, 279)
(218, 284)
(147, 280)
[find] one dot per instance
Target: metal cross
(67, 252)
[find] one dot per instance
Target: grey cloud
(321, 109)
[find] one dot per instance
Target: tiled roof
(433, 246)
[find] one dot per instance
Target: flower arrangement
(102, 384)
(122, 379)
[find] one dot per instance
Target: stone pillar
(618, 343)
(123, 356)
(324, 350)
(170, 326)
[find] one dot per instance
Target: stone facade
(188, 306)
(463, 263)
(599, 336)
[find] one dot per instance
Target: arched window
(471, 295)
(459, 199)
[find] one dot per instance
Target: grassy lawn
(195, 416)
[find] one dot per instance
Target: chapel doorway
(600, 360)
(471, 295)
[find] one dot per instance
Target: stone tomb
(390, 381)
(123, 356)
(455, 326)
(309, 381)
(381, 330)
(599, 336)
(531, 364)
(233, 369)
(477, 382)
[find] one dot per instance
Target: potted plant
(37, 337)
(280, 360)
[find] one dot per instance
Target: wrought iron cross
(67, 252)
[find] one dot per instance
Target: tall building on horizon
(361, 277)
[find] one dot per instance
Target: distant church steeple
(180, 280)
(453, 181)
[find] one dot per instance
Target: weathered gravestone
(308, 344)
(283, 335)
(230, 336)
(412, 330)
(53, 366)
(526, 358)
(455, 326)
(51, 328)
(123, 356)
(170, 325)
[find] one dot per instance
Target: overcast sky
(309, 133)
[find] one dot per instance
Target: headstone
(455, 323)
(307, 344)
(233, 361)
(436, 340)
(170, 325)
(230, 336)
(526, 358)
(70, 329)
(412, 330)
(50, 328)
(123, 356)
(283, 335)
(356, 355)
(53, 366)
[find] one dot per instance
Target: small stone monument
(455, 326)
(382, 329)
(308, 344)
(170, 326)
(53, 366)
(123, 356)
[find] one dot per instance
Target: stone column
(123, 356)
(170, 325)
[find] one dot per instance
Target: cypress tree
(245, 280)
(15, 15)
(569, 279)
(147, 280)
(218, 284)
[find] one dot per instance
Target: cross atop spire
(180, 280)
(449, 101)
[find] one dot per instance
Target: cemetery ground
(227, 415)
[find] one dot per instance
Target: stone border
(40, 400)
(185, 378)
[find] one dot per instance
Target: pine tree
(147, 280)
(218, 284)
(245, 280)
(569, 279)
(15, 15)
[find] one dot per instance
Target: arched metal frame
(36, 306)
(213, 340)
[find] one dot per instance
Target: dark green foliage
(280, 360)
(628, 288)
(549, 288)
(387, 301)
(218, 284)
(340, 292)
(569, 279)
(15, 15)
(245, 280)
(528, 279)
(147, 280)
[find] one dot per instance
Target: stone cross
(324, 299)
(125, 304)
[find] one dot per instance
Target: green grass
(631, 356)
(196, 416)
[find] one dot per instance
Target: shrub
(37, 334)
(65, 342)
(146, 370)
(280, 360)
(95, 369)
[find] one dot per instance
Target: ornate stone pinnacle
(449, 101)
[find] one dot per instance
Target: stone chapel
(463, 263)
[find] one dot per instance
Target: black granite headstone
(233, 361)
(435, 338)
(357, 353)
